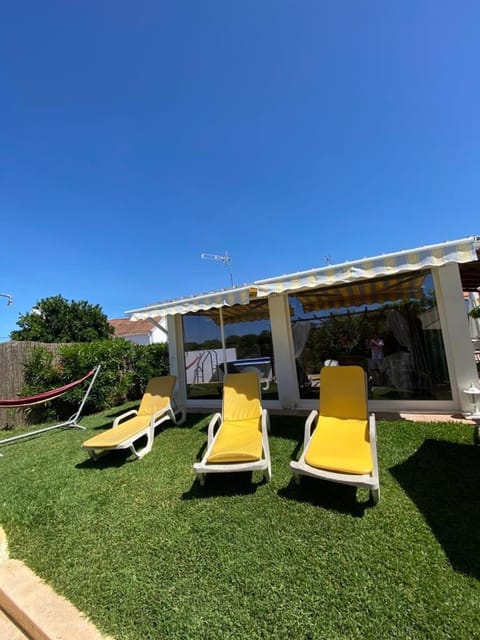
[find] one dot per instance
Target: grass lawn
(147, 553)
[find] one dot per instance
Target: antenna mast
(226, 259)
(9, 298)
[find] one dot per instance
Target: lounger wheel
(375, 495)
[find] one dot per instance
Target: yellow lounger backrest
(241, 397)
(157, 395)
(343, 392)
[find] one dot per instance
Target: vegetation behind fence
(13, 356)
(28, 368)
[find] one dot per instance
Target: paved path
(29, 608)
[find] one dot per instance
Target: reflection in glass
(388, 326)
(248, 347)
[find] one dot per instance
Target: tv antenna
(9, 298)
(226, 259)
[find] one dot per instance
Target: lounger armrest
(161, 415)
(118, 419)
(265, 421)
(309, 423)
(217, 417)
(372, 432)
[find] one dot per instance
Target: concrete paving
(29, 608)
(9, 630)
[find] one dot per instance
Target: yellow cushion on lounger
(342, 393)
(340, 445)
(238, 441)
(113, 437)
(241, 400)
(157, 395)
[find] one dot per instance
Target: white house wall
(139, 338)
(456, 333)
(284, 359)
(176, 358)
(154, 336)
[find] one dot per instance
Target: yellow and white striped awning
(369, 270)
(405, 286)
(459, 251)
(194, 304)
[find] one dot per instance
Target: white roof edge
(475, 240)
(166, 304)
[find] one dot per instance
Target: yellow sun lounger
(155, 408)
(240, 442)
(343, 446)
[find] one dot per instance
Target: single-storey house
(145, 332)
(401, 316)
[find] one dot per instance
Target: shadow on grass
(109, 459)
(287, 427)
(443, 480)
(327, 495)
(224, 484)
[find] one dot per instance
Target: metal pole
(71, 422)
(222, 334)
(9, 298)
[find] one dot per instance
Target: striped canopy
(392, 264)
(366, 281)
(205, 302)
(254, 310)
(379, 290)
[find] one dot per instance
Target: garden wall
(12, 357)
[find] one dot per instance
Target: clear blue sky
(136, 135)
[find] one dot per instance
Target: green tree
(56, 319)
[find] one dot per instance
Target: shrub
(125, 370)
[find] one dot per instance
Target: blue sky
(137, 135)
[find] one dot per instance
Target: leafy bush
(124, 373)
(55, 319)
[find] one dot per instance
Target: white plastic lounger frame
(363, 480)
(129, 442)
(204, 467)
(123, 434)
(71, 422)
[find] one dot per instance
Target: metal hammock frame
(46, 396)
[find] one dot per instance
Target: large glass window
(248, 347)
(388, 326)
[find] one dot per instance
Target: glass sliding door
(248, 347)
(389, 326)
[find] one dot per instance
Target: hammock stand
(30, 401)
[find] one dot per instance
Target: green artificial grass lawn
(146, 552)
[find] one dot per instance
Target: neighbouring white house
(288, 327)
(145, 332)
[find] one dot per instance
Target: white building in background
(413, 299)
(140, 331)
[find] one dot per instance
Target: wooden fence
(12, 357)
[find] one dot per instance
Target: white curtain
(300, 331)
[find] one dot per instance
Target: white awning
(458, 251)
(203, 302)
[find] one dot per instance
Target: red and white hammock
(30, 401)
(39, 398)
